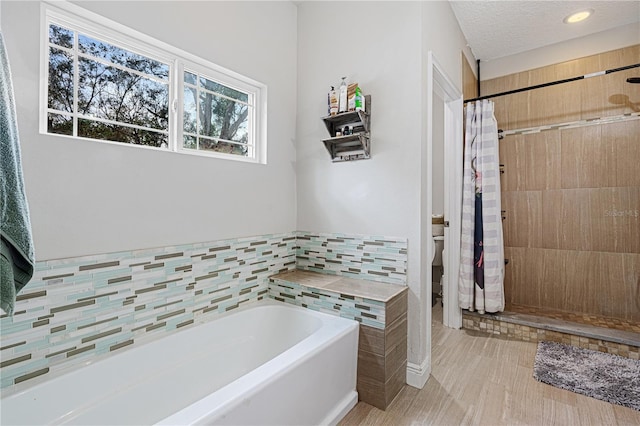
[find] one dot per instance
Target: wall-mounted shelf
(347, 148)
(355, 146)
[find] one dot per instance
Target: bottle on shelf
(333, 101)
(343, 95)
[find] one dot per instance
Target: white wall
(88, 197)
(382, 46)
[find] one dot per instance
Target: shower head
(634, 80)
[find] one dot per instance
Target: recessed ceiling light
(578, 16)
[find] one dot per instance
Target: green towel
(16, 245)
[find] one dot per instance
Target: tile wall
(79, 308)
(382, 259)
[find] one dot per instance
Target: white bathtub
(267, 363)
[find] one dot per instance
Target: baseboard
(418, 374)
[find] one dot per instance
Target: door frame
(439, 83)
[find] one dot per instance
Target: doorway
(439, 86)
(444, 197)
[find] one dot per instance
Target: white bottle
(333, 102)
(343, 95)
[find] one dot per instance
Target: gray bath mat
(608, 377)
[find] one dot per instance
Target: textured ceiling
(495, 29)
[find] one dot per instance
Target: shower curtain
(481, 281)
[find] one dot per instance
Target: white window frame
(81, 20)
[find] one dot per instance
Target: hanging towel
(16, 244)
(481, 280)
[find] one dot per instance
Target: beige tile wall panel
(523, 218)
(616, 58)
(514, 113)
(585, 158)
(596, 283)
(568, 278)
(623, 146)
(531, 162)
(608, 95)
(551, 105)
(566, 219)
(596, 219)
(523, 276)
(508, 154)
(621, 299)
(563, 71)
(615, 219)
(631, 277)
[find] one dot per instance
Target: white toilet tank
(439, 246)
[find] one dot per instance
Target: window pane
(113, 94)
(223, 118)
(224, 90)
(122, 57)
(61, 124)
(223, 147)
(60, 91)
(190, 78)
(115, 133)
(190, 142)
(61, 36)
(190, 113)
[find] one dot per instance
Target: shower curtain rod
(553, 83)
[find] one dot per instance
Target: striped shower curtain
(481, 281)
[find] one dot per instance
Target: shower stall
(570, 181)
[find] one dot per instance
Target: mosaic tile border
(366, 311)
(533, 334)
(382, 259)
(88, 306)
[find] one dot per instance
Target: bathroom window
(119, 86)
(216, 118)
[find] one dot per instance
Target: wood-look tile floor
(480, 380)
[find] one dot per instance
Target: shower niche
(356, 145)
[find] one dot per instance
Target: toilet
(437, 250)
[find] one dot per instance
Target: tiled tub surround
(381, 310)
(262, 355)
(382, 259)
(79, 308)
